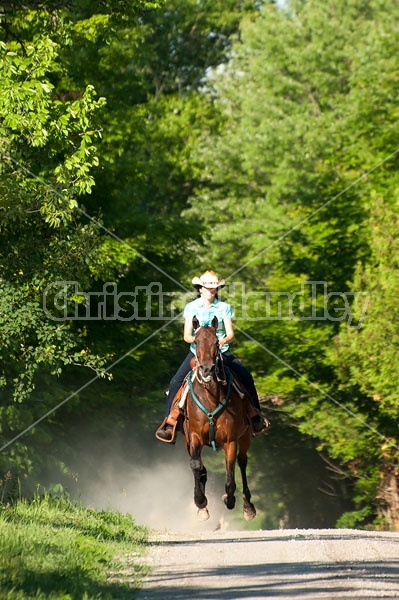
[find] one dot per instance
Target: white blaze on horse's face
(207, 345)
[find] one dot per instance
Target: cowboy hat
(209, 279)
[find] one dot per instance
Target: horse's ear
(196, 323)
(215, 322)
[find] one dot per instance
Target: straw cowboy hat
(209, 279)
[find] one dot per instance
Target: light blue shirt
(205, 314)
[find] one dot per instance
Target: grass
(52, 548)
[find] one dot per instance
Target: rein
(215, 411)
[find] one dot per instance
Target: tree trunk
(389, 494)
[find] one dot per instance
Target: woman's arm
(229, 337)
(188, 330)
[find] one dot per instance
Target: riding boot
(259, 424)
(257, 421)
(166, 432)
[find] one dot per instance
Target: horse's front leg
(200, 478)
(242, 459)
(230, 450)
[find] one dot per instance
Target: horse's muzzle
(206, 372)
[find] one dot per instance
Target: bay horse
(215, 415)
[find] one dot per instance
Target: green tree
(309, 107)
(150, 72)
(48, 154)
(366, 361)
(68, 220)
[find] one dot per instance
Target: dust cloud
(158, 493)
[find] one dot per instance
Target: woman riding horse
(205, 307)
(215, 415)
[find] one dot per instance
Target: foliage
(48, 154)
(306, 154)
(366, 358)
(60, 137)
(52, 548)
(139, 146)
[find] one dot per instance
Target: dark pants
(236, 367)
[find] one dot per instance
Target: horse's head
(206, 348)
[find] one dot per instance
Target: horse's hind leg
(242, 459)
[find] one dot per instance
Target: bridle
(213, 372)
(217, 374)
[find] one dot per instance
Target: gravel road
(301, 564)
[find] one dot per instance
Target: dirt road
(288, 564)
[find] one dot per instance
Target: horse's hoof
(230, 503)
(203, 514)
(249, 512)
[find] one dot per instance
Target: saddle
(176, 414)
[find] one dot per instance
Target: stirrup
(264, 421)
(173, 430)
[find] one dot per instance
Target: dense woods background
(142, 142)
